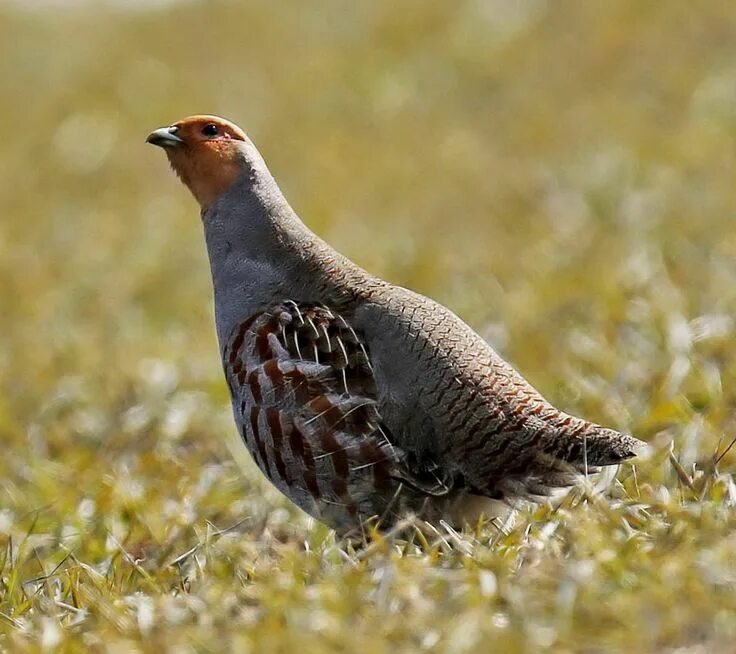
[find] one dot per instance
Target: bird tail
(579, 451)
(600, 446)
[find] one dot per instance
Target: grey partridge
(359, 399)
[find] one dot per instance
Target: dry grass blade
(682, 474)
(719, 457)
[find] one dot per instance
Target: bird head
(206, 152)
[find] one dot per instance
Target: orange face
(204, 151)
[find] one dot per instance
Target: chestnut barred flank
(305, 402)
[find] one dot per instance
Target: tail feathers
(573, 457)
(599, 446)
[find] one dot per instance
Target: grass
(560, 174)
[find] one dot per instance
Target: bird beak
(165, 137)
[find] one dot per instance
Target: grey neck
(260, 252)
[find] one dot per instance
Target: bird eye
(210, 129)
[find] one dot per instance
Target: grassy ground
(561, 174)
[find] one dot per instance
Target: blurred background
(561, 174)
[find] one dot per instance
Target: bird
(361, 401)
